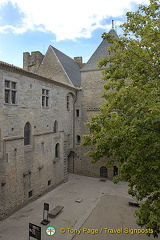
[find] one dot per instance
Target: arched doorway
(103, 172)
(71, 158)
(115, 171)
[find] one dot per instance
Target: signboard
(45, 214)
(46, 206)
(34, 231)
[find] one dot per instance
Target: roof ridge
(62, 53)
(4, 65)
(101, 51)
(62, 65)
(70, 66)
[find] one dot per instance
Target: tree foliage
(127, 130)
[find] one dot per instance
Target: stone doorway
(115, 171)
(103, 172)
(71, 158)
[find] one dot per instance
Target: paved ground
(102, 214)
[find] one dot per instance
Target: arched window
(57, 151)
(55, 127)
(68, 102)
(27, 133)
(78, 139)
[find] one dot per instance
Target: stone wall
(26, 171)
(90, 102)
(51, 68)
(31, 62)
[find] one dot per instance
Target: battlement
(31, 62)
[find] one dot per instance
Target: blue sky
(73, 27)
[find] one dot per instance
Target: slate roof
(71, 67)
(101, 51)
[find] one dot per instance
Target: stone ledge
(13, 138)
(43, 133)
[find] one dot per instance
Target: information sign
(34, 231)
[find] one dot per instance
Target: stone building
(43, 108)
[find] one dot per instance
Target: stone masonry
(43, 111)
(26, 171)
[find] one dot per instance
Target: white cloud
(68, 19)
(3, 2)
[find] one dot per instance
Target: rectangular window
(77, 112)
(13, 85)
(43, 101)
(6, 96)
(13, 97)
(7, 84)
(10, 92)
(45, 98)
(49, 182)
(30, 194)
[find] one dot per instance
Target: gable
(71, 67)
(58, 66)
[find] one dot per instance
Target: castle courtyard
(93, 209)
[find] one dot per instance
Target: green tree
(127, 130)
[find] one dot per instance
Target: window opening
(68, 105)
(30, 194)
(27, 132)
(77, 112)
(45, 98)
(55, 127)
(10, 92)
(49, 182)
(57, 150)
(78, 139)
(115, 170)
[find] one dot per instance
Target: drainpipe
(74, 101)
(4, 148)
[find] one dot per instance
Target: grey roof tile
(101, 51)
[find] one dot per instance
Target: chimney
(79, 60)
